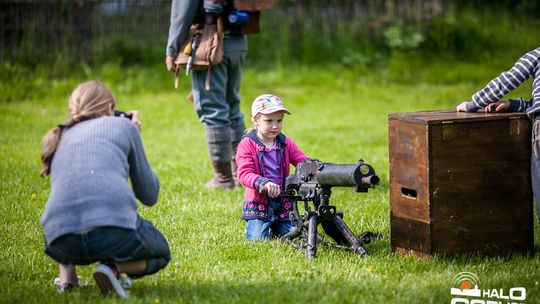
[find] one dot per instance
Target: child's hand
(498, 107)
(271, 189)
(462, 107)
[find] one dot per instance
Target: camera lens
(123, 114)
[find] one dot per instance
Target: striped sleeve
(524, 68)
(519, 105)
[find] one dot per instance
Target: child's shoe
(109, 280)
(68, 287)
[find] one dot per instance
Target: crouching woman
(91, 213)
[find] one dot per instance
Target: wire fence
(33, 31)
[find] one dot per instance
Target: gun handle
(188, 49)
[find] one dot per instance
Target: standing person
(91, 214)
(219, 107)
(528, 65)
(264, 157)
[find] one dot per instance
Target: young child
(528, 65)
(264, 157)
(91, 213)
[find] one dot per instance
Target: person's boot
(219, 146)
(223, 177)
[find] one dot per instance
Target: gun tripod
(305, 235)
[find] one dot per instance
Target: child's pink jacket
(250, 170)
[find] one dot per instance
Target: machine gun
(312, 181)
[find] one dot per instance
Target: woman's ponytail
(48, 148)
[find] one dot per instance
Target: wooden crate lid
(447, 116)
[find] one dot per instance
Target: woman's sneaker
(107, 279)
(68, 287)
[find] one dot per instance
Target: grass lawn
(337, 117)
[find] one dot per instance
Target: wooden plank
(440, 116)
(477, 233)
(409, 193)
(410, 234)
(480, 170)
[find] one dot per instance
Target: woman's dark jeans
(113, 244)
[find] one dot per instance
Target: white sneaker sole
(107, 282)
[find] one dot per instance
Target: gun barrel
(371, 180)
(346, 175)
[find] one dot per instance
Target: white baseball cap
(267, 104)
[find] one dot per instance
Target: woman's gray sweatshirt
(89, 178)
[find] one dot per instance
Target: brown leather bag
(209, 51)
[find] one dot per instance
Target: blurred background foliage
(48, 45)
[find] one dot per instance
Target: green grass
(338, 116)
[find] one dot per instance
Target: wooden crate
(460, 183)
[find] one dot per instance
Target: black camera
(123, 114)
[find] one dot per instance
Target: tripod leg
(354, 242)
(312, 236)
(297, 221)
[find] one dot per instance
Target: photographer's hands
(135, 120)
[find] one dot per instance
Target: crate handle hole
(409, 193)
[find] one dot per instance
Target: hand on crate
(462, 107)
(498, 107)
